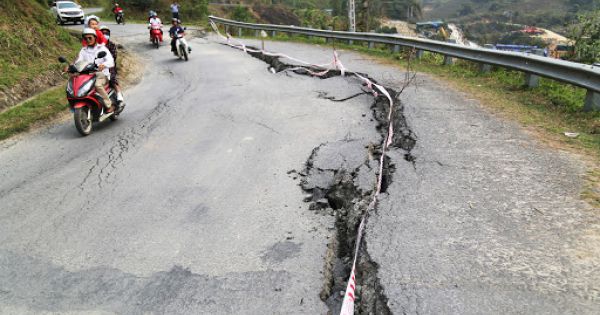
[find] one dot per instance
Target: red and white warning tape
(374, 89)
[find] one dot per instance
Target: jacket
(89, 54)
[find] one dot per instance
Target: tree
(242, 14)
(587, 38)
(405, 9)
(142, 5)
(466, 9)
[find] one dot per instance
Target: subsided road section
(486, 220)
(482, 219)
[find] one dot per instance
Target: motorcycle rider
(176, 28)
(116, 9)
(88, 54)
(154, 21)
(112, 47)
(93, 22)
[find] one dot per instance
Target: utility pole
(366, 14)
(351, 16)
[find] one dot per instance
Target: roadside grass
(39, 109)
(591, 190)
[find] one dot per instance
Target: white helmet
(91, 17)
(88, 31)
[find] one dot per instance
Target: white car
(67, 11)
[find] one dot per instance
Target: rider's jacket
(89, 53)
(174, 30)
(155, 22)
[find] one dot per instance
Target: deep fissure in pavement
(346, 192)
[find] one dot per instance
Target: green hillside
(30, 43)
(190, 10)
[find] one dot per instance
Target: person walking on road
(175, 9)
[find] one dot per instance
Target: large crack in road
(339, 180)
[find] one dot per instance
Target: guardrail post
(420, 53)
(592, 101)
(329, 39)
(448, 60)
(240, 32)
(309, 36)
(371, 45)
(485, 68)
(533, 80)
(256, 33)
(273, 33)
(226, 29)
(396, 49)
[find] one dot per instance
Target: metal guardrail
(585, 76)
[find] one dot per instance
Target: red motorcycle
(87, 106)
(156, 35)
(119, 16)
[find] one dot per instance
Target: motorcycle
(181, 46)
(87, 106)
(156, 35)
(119, 17)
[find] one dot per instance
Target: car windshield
(67, 5)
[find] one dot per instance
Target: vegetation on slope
(30, 43)
(190, 10)
(29, 47)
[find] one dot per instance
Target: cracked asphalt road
(485, 220)
(182, 206)
(186, 205)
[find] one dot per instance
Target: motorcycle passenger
(173, 31)
(112, 47)
(116, 9)
(154, 21)
(88, 54)
(93, 22)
